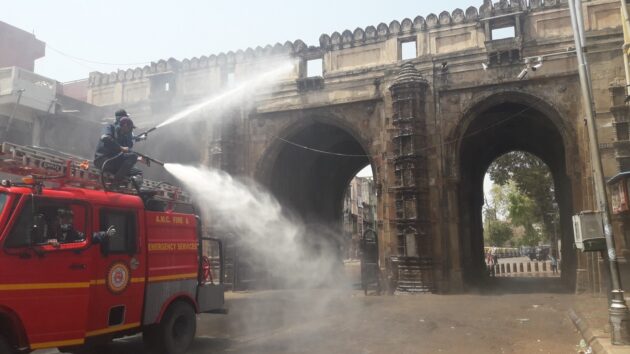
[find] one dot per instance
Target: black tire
(175, 333)
(5, 347)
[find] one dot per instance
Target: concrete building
(19, 48)
(36, 110)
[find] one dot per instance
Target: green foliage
(533, 201)
(531, 237)
(498, 233)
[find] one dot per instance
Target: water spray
(296, 254)
(248, 85)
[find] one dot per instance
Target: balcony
(33, 91)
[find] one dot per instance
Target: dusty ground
(511, 315)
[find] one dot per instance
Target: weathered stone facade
(474, 109)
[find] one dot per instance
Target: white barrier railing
(524, 269)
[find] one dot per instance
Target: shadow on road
(520, 285)
(134, 345)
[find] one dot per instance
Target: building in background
(37, 110)
(359, 213)
(19, 48)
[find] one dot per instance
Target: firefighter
(65, 227)
(113, 153)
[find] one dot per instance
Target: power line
(320, 151)
(94, 61)
(423, 149)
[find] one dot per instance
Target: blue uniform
(109, 156)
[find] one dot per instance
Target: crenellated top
(372, 34)
(220, 60)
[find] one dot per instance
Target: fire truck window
(3, 201)
(65, 223)
(125, 224)
(21, 228)
(62, 223)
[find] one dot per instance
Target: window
(125, 224)
(314, 67)
(408, 50)
(230, 79)
(19, 236)
(504, 32)
(3, 201)
(59, 222)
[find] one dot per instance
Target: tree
(533, 180)
(522, 211)
(497, 233)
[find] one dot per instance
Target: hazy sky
(135, 32)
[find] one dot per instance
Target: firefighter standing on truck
(113, 153)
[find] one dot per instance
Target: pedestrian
(554, 262)
(490, 263)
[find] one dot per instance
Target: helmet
(120, 114)
(126, 120)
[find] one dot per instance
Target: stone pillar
(411, 184)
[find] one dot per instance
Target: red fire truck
(80, 265)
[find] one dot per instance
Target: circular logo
(118, 278)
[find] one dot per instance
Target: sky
(93, 35)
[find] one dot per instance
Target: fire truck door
(46, 280)
(119, 272)
(210, 291)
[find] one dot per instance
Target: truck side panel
(173, 261)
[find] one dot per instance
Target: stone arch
(309, 185)
(494, 124)
(485, 100)
(271, 152)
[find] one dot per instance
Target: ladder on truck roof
(65, 169)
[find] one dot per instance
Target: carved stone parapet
(172, 65)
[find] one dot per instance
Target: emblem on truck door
(118, 277)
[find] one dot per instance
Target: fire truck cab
(82, 266)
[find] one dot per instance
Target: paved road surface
(518, 315)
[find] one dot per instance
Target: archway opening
(309, 170)
(520, 218)
(499, 126)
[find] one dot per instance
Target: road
(510, 315)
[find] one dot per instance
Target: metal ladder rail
(24, 160)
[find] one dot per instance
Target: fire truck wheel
(175, 333)
(5, 347)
